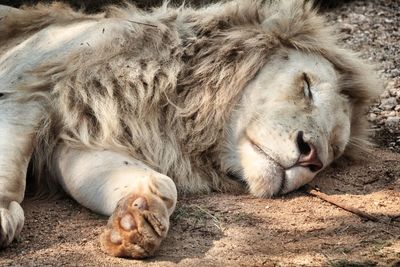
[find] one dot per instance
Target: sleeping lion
(126, 108)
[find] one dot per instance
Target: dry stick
(332, 200)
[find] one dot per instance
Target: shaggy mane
(172, 78)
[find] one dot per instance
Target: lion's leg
(17, 126)
(139, 199)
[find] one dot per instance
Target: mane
(173, 78)
(30, 19)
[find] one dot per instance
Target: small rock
(347, 28)
(372, 117)
(385, 94)
(393, 92)
(395, 72)
(392, 122)
(358, 17)
(391, 114)
(388, 103)
(376, 110)
(380, 120)
(396, 83)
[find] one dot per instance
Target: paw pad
(115, 237)
(128, 222)
(133, 230)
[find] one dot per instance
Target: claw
(158, 227)
(140, 203)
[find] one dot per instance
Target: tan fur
(28, 20)
(164, 92)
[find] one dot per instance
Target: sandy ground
(227, 230)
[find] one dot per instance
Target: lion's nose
(308, 154)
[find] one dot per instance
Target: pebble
(385, 94)
(392, 122)
(372, 117)
(391, 114)
(347, 28)
(388, 103)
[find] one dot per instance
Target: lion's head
(304, 109)
(295, 118)
(292, 122)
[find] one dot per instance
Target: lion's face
(291, 123)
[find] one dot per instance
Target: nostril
(308, 154)
(303, 147)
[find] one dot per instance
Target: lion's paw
(136, 228)
(11, 223)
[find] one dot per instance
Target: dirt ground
(227, 230)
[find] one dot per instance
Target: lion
(124, 109)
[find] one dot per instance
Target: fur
(96, 5)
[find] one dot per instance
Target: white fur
(7, 10)
(20, 117)
(99, 179)
(12, 220)
(273, 110)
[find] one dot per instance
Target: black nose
(308, 154)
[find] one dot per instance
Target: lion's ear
(359, 81)
(297, 24)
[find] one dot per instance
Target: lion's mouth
(290, 178)
(263, 152)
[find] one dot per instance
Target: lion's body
(156, 88)
(142, 94)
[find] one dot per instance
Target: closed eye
(307, 86)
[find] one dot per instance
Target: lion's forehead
(296, 63)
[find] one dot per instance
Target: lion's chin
(266, 177)
(295, 178)
(277, 181)
(267, 182)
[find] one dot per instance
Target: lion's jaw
(291, 108)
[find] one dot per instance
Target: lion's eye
(307, 86)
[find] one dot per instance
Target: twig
(338, 203)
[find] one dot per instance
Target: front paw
(136, 228)
(11, 223)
